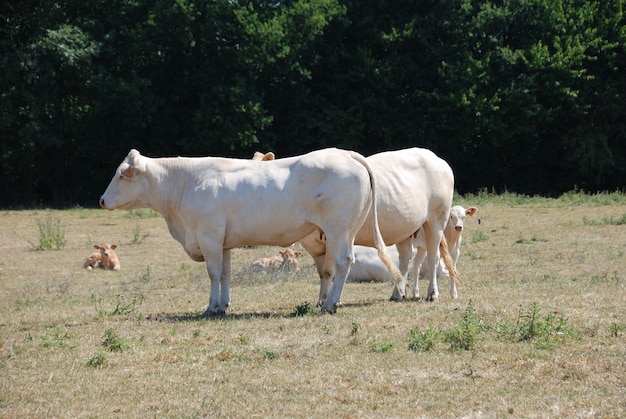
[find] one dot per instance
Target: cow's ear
(136, 163)
(471, 211)
(114, 246)
(269, 156)
(95, 246)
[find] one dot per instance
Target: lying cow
(368, 266)
(415, 189)
(452, 234)
(104, 258)
(287, 261)
(212, 205)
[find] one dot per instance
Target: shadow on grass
(283, 313)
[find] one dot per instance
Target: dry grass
(131, 343)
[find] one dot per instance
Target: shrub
(113, 342)
(423, 341)
(303, 309)
(51, 235)
(464, 335)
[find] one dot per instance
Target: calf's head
(106, 250)
(128, 186)
(290, 259)
(457, 216)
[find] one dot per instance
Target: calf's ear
(114, 246)
(471, 211)
(95, 246)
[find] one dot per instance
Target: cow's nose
(458, 228)
(102, 202)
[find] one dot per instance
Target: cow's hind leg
(340, 255)
(326, 272)
(405, 254)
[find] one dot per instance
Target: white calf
(452, 234)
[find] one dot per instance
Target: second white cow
(415, 189)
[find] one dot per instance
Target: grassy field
(538, 329)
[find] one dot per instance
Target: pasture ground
(538, 329)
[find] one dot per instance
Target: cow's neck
(167, 182)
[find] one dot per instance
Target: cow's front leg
(417, 267)
(225, 282)
(216, 259)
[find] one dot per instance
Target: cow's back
(278, 202)
(414, 184)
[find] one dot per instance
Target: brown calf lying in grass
(105, 258)
(288, 260)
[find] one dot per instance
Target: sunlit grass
(537, 331)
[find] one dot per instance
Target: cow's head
(106, 250)
(457, 216)
(128, 186)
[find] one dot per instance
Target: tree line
(518, 95)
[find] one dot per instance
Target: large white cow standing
(415, 190)
(212, 205)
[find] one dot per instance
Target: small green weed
(138, 238)
(615, 330)
(465, 334)
(122, 307)
(58, 338)
(51, 234)
(480, 236)
(381, 347)
(522, 240)
(531, 325)
(98, 361)
(303, 309)
(113, 342)
(423, 341)
(355, 328)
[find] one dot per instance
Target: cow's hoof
(330, 310)
(397, 298)
(214, 313)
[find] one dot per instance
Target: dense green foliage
(521, 95)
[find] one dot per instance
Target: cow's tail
(378, 237)
(448, 262)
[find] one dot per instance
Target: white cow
(415, 189)
(452, 234)
(212, 205)
(368, 266)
